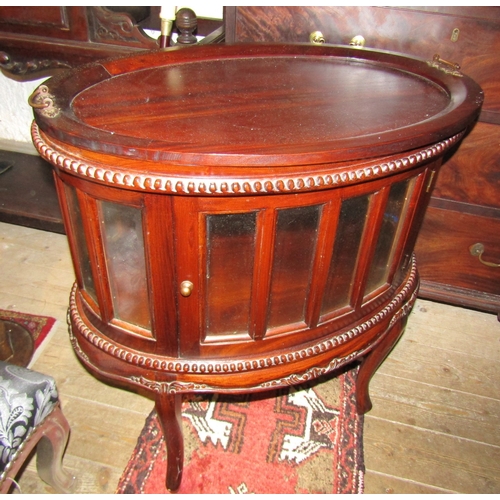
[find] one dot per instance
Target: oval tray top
(256, 105)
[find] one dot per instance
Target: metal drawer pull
(357, 41)
(316, 38)
(477, 250)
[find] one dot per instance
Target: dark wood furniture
(41, 41)
(243, 217)
(34, 40)
(464, 211)
(28, 193)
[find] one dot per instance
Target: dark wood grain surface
(206, 195)
(260, 105)
(469, 182)
(417, 32)
(473, 175)
(460, 269)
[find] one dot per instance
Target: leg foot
(50, 450)
(168, 407)
(372, 361)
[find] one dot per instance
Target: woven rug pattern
(306, 439)
(39, 328)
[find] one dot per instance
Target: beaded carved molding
(178, 387)
(399, 306)
(311, 374)
(279, 184)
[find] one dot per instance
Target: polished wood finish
(170, 417)
(38, 40)
(251, 177)
(469, 182)
(467, 230)
(436, 398)
(42, 44)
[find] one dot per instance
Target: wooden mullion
(261, 290)
(422, 202)
(368, 244)
(189, 237)
(327, 230)
(158, 229)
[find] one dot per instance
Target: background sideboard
(465, 206)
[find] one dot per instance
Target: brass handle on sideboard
(477, 250)
(357, 41)
(317, 38)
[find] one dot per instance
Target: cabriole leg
(168, 407)
(372, 361)
(50, 451)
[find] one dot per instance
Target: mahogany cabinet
(38, 40)
(243, 217)
(464, 213)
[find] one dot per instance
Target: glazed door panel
(263, 270)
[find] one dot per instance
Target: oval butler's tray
(243, 217)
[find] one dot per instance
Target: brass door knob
(186, 288)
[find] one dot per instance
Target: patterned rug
(306, 439)
(22, 335)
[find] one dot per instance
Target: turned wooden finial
(186, 22)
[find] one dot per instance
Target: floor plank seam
(412, 481)
(147, 411)
(451, 350)
(432, 431)
(380, 373)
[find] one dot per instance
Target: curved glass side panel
(82, 252)
(294, 250)
(344, 259)
(121, 228)
(229, 272)
(399, 196)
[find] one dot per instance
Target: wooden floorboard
(433, 427)
(439, 409)
(437, 459)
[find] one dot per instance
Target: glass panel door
(82, 252)
(342, 270)
(121, 228)
(295, 240)
(230, 240)
(394, 214)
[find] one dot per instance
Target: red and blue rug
(22, 335)
(306, 439)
